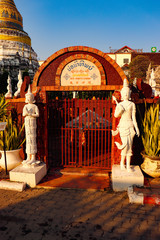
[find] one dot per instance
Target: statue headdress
(30, 93)
(125, 87)
(125, 83)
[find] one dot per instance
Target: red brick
(95, 50)
(85, 49)
(101, 53)
(74, 48)
(80, 48)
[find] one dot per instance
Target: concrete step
(99, 172)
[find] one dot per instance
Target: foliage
(14, 136)
(151, 131)
(138, 67)
(3, 107)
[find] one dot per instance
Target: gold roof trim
(9, 20)
(23, 39)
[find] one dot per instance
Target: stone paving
(71, 214)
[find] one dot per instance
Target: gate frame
(107, 104)
(69, 54)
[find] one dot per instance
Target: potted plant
(14, 138)
(151, 141)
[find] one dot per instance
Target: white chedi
(9, 88)
(19, 84)
(30, 112)
(152, 82)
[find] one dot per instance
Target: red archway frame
(72, 49)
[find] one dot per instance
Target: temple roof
(10, 16)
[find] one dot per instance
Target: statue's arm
(119, 110)
(25, 112)
(36, 113)
(134, 120)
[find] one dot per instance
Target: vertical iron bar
(101, 141)
(76, 127)
(79, 143)
(105, 132)
(91, 142)
(95, 133)
(80, 160)
(62, 137)
(72, 130)
(68, 131)
(109, 131)
(98, 129)
(88, 130)
(85, 129)
(65, 113)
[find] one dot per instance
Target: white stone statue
(152, 82)
(30, 112)
(135, 82)
(9, 88)
(19, 84)
(148, 73)
(127, 126)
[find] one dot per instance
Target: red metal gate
(79, 133)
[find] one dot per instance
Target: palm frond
(14, 136)
(151, 131)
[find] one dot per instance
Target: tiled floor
(98, 180)
(92, 179)
(76, 179)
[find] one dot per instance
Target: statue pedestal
(15, 186)
(30, 175)
(121, 179)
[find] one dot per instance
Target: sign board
(2, 126)
(153, 49)
(80, 73)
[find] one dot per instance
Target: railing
(80, 133)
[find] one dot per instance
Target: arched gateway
(74, 84)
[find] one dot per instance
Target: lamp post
(2, 128)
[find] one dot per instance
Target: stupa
(15, 44)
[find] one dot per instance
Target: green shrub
(151, 131)
(3, 107)
(14, 136)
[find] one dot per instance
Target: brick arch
(72, 49)
(80, 56)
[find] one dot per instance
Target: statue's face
(29, 98)
(125, 93)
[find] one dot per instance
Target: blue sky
(55, 24)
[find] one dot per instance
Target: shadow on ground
(75, 215)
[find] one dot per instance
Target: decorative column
(9, 88)
(19, 84)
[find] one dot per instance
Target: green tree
(138, 67)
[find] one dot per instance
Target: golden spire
(10, 16)
(11, 19)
